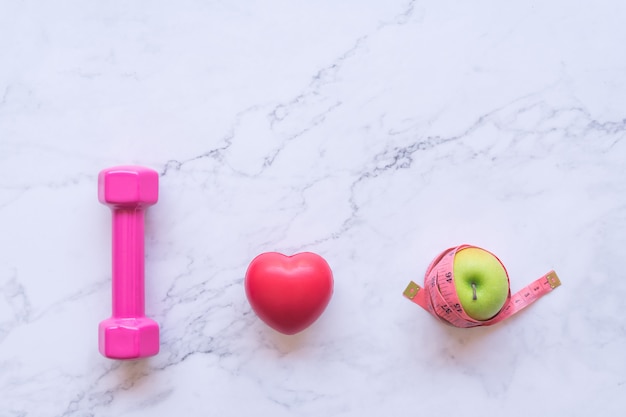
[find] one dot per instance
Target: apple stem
(473, 291)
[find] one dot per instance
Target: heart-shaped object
(289, 292)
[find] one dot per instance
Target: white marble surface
(373, 133)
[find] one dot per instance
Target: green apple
(481, 283)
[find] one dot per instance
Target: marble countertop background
(374, 133)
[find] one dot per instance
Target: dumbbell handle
(128, 262)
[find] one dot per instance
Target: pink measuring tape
(439, 296)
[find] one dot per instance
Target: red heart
(289, 292)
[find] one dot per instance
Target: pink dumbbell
(128, 334)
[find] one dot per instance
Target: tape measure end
(553, 279)
(411, 290)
